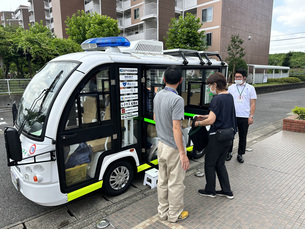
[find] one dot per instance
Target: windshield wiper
(50, 89)
(43, 96)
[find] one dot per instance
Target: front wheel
(117, 178)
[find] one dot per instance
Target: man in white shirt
(245, 97)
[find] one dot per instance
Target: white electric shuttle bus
(85, 121)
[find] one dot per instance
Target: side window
(191, 87)
(208, 39)
(81, 159)
(207, 14)
(207, 95)
(92, 104)
(194, 89)
(136, 13)
(154, 84)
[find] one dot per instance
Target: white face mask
(213, 92)
(239, 82)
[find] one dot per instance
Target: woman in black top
(221, 116)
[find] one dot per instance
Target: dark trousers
(215, 155)
(242, 128)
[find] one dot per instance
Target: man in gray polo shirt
(172, 158)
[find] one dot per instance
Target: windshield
(38, 95)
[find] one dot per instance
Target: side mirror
(13, 146)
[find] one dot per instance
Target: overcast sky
(288, 23)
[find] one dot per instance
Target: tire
(117, 178)
(197, 154)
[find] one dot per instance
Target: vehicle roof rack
(208, 53)
(188, 52)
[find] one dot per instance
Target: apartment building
(6, 18)
(19, 17)
(48, 15)
(22, 15)
(37, 13)
(63, 9)
(149, 20)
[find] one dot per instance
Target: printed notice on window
(129, 93)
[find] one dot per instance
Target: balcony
(89, 6)
(179, 5)
(32, 19)
(123, 5)
(126, 22)
(134, 37)
(190, 4)
(150, 11)
(48, 16)
(151, 34)
(47, 5)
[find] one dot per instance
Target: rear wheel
(117, 178)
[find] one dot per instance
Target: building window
(208, 39)
(207, 14)
(136, 13)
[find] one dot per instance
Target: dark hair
(172, 75)
(241, 71)
(219, 79)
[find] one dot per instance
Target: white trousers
(170, 183)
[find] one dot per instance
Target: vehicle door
(87, 131)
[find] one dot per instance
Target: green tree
(7, 34)
(26, 51)
(235, 53)
(82, 26)
(239, 63)
(34, 45)
(183, 33)
(286, 61)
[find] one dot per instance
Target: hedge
(284, 80)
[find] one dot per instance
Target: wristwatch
(251, 116)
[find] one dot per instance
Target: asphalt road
(16, 209)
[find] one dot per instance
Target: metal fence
(13, 86)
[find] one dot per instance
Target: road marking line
(154, 219)
(3, 123)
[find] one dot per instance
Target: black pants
(242, 128)
(215, 155)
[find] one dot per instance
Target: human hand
(201, 117)
(185, 164)
(250, 120)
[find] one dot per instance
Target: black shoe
(229, 195)
(229, 156)
(240, 158)
(202, 192)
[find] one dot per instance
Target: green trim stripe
(155, 162)
(143, 167)
(153, 122)
(189, 114)
(85, 190)
(149, 121)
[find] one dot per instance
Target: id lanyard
(171, 89)
(240, 98)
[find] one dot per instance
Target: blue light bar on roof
(101, 42)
